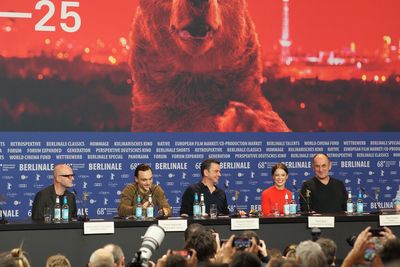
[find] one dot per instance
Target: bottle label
(360, 207)
(350, 208)
(196, 210)
(57, 215)
(292, 208)
(203, 210)
(65, 214)
(286, 209)
(138, 212)
(150, 212)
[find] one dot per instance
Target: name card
(321, 221)
(389, 220)
(245, 224)
(96, 228)
(173, 225)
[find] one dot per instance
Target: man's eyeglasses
(67, 175)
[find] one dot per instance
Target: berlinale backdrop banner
(192, 72)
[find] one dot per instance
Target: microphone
(3, 217)
(161, 214)
(235, 213)
(83, 218)
(378, 211)
(306, 199)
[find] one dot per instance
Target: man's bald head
(101, 258)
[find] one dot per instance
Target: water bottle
(196, 206)
(65, 210)
(150, 208)
(350, 207)
(139, 208)
(360, 204)
(293, 206)
(396, 201)
(57, 211)
(286, 205)
(202, 205)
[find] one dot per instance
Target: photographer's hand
(254, 247)
(226, 252)
(192, 261)
(262, 249)
(217, 240)
(387, 234)
(356, 254)
(161, 261)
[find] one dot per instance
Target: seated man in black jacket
(210, 172)
(63, 178)
(323, 193)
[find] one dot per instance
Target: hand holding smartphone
(238, 242)
(187, 254)
(376, 231)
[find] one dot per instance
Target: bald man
(118, 254)
(325, 193)
(101, 258)
(63, 178)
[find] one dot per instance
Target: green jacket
(129, 197)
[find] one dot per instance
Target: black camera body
(376, 231)
(315, 233)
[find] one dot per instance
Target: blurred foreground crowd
(203, 247)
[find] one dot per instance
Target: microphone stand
(161, 215)
(306, 199)
(308, 192)
(236, 213)
(83, 218)
(378, 211)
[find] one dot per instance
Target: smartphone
(370, 251)
(376, 231)
(242, 243)
(185, 253)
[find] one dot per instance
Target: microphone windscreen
(226, 184)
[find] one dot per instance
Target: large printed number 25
(65, 14)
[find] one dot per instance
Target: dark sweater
(328, 198)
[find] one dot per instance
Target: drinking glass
(47, 214)
(213, 211)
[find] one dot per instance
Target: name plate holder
(245, 223)
(389, 220)
(98, 228)
(321, 221)
(172, 225)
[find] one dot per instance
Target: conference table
(41, 240)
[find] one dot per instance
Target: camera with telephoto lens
(152, 239)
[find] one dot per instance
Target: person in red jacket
(274, 197)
